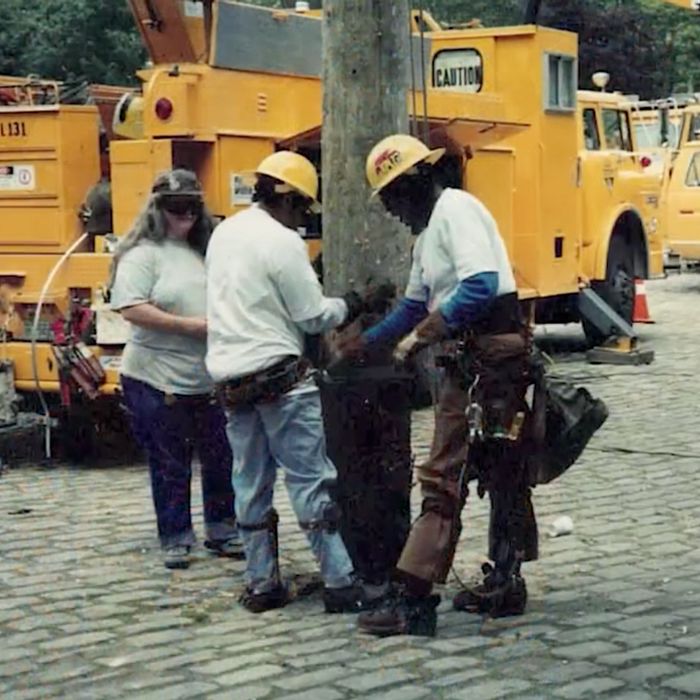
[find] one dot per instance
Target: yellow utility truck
(230, 83)
(681, 204)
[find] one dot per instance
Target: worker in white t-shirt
(263, 297)
(461, 287)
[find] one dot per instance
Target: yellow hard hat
(295, 171)
(394, 156)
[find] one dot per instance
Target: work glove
(431, 330)
(408, 347)
(349, 344)
(355, 304)
(379, 297)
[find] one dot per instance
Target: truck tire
(617, 289)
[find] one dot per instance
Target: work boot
(494, 597)
(402, 614)
(176, 556)
(277, 597)
(349, 599)
(232, 548)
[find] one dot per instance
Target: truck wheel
(617, 291)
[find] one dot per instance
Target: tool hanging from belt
(78, 369)
(497, 370)
(264, 386)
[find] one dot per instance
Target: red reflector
(164, 108)
(645, 161)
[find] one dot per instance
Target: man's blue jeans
(169, 429)
(287, 433)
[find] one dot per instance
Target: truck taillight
(164, 109)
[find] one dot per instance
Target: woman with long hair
(158, 284)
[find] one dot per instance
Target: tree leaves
(93, 40)
(649, 47)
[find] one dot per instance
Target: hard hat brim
(314, 207)
(430, 158)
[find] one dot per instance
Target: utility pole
(366, 409)
(366, 64)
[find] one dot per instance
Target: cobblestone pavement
(88, 611)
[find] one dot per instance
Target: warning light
(645, 161)
(164, 109)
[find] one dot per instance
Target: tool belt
(264, 386)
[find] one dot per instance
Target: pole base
(622, 351)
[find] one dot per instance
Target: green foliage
(93, 40)
(649, 47)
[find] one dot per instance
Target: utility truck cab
(620, 194)
(682, 195)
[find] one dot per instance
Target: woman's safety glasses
(181, 206)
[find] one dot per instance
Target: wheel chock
(620, 351)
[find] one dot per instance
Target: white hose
(35, 333)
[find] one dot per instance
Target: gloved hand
(407, 347)
(378, 297)
(432, 329)
(355, 306)
(349, 345)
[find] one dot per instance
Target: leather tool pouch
(499, 361)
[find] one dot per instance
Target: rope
(423, 81)
(414, 116)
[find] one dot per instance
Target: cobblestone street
(87, 609)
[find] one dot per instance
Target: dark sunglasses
(179, 206)
(302, 204)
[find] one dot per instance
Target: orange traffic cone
(641, 309)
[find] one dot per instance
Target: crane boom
(174, 31)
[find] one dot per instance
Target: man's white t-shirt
(460, 241)
(261, 289)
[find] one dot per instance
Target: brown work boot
(492, 597)
(402, 614)
(277, 597)
(344, 600)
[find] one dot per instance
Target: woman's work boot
(275, 598)
(402, 614)
(495, 596)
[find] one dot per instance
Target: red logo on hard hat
(386, 161)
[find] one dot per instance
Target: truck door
(618, 139)
(684, 203)
(596, 176)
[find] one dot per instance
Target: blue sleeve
(470, 299)
(403, 319)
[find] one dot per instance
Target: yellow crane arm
(174, 31)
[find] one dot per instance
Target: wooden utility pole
(366, 64)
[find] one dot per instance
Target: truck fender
(625, 221)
